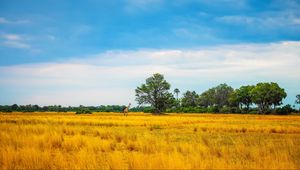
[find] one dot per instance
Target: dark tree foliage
(297, 99)
(267, 94)
(222, 94)
(156, 93)
(217, 96)
(243, 96)
(261, 98)
(206, 99)
(176, 92)
(190, 99)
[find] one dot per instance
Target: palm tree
(176, 91)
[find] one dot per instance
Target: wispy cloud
(16, 44)
(111, 77)
(14, 41)
(7, 21)
(268, 19)
(135, 6)
(11, 37)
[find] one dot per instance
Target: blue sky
(97, 52)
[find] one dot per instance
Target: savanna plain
(143, 141)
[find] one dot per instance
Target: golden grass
(143, 141)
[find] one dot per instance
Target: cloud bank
(112, 76)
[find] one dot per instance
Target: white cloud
(12, 37)
(15, 41)
(263, 20)
(16, 44)
(7, 21)
(111, 77)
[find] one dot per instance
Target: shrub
(148, 110)
(212, 109)
(284, 110)
(225, 110)
(84, 111)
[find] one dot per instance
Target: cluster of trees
(260, 98)
(59, 108)
(156, 95)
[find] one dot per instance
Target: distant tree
(297, 99)
(190, 99)
(218, 96)
(176, 91)
(155, 92)
(287, 109)
(233, 99)
(266, 95)
(243, 96)
(14, 107)
(222, 94)
(277, 94)
(206, 99)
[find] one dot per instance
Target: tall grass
(143, 141)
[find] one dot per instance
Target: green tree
(218, 96)
(222, 94)
(206, 99)
(266, 95)
(14, 107)
(277, 94)
(297, 99)
(190, 99)
(155, 92)
(176, 91)
(243, 96)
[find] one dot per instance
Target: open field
(141, 141)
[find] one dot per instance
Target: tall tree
(155, 92)
(206, 99)
(277, 94)
(222, 94)
(243, 96)
(297, 99)
(217, 96)
(266, 95)
(190, 99)
(176, 91)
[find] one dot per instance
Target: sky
(96, 52)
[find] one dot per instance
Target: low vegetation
(50, 140)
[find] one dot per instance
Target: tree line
(59, 108)
(155, 96)
(262, 98)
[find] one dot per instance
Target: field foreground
(142, 141)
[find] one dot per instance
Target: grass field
(142, 141)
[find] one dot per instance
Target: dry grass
(143, 141)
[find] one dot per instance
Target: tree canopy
(155, 92)
(266, 95)
(297, 99)
(243, 96)
(190, 99)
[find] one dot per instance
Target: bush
(287, 109)
(235, 110)
(84, 111)
(253, 111)
(225, 110)
(148, 110)
(212, 109)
